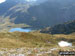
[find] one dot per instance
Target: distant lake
(21, 29)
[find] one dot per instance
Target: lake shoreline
(23, 29)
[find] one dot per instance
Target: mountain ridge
(43, 15)
(66, 28)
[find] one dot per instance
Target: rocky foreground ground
(33, 51)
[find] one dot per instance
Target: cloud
(1, 1)
(31, 0)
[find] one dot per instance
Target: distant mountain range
(39, 14)
(66, 28)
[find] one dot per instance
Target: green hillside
(66, 28)
(21, 39)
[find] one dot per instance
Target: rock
(20, 55)
(64, 44)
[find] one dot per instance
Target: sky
(31, 0)
(1, 1)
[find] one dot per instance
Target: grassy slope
(21, 39)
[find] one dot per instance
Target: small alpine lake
(24, 29)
